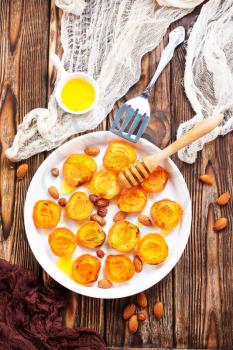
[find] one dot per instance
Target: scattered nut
(93, 198)
(158, 310)
(133, 324)
(104, 284)
(101, 221)
(220, 224)
(145, 220)
(102, 211)
(53, 192)
(120, 215)
(137, 264)
(102, 202)
(141, 316)
(62, 202)
(224, 198)
(55, 172)
(129, 311)
(207, 179)
(92, 151)
(142, 299)
(100, 253)
(22, 171)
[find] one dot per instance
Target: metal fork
(135, 113)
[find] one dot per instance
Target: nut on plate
(102, 211)
(102, 202)
(120, 215)
(223, 199)
(220, 224)
(22, 171)
(137, 264)
(141, 316)
(142, 299)
(92, 151)
(158, 310)
(55, 172)
(93, 198)
(62, 202)
(100, 253)
(95, 217)
(129, 311)
(52, 190)
(104, 284)
(145, 220)
(206, 179)
(133, 324)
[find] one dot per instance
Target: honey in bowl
(78, 94)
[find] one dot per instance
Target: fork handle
(176, 37)
(201, 129)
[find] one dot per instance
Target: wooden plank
(24, 42)
(203, 277)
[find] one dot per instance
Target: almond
(55, 172)
(22, 171)
(53, 192)
(93, 198)
(141, 316)
(102, 202)
(137, 264)
(92, 151)
(62, 202)
(133, 324)
(142, 300)
(120, 215)
(158, 310)
(224, 198)
(104, 284)
(101, 221)
(220, 224)
(129, 311)
(102, 211)
(207, 179)
(145, 220)
(100, 253)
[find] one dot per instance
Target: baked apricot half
(123, 236)
(62, 242)
(119, 155)
(132, 200)
(78, 169)
(119, 268)
(85, 269)
(90, 235)
(105, 184)
(46, 214)
(79, 207)
(152, 249)
(156, 181)
(166, 214)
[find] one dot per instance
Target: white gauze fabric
(107, 40)
(208, 76)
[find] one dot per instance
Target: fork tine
(119, 114)
(135, 123)
(127, 119)
(142, 128)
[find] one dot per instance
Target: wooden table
(197, 294)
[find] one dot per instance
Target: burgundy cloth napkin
(30, 315)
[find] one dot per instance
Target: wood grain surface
(197, 294)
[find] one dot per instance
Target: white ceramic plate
(175, 189)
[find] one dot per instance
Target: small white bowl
(65, 76)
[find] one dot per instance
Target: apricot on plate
(78, 169)
(132, 200)
(119, 155)
(46, 214)
(119, 268)
(152, 249)
(166, 214)
(85, 269)
(79, 207)
(62, 242)
(156, 181)
(123, 236)
(105, 184)
(90, 235)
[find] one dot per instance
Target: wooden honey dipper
(140, 170)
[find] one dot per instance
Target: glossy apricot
(46, 214)
(119, 268)
(123, 236)
(152, 249)
(156, 181)
(62, 242)
(105, 184)
(79, 207)
(119, 155)
(78, 169)
(166, 214)
(90, 235)
(132, 200)
(85, 269)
